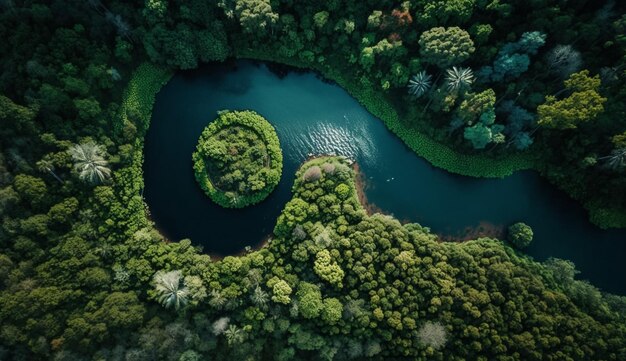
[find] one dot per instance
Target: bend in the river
(314, 117)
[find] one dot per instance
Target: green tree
(255, 16)
(234, 335)
(31, 188)
(281, 291)
(583, 104)
(47, 166)
(327, 269)
(332, 310)
(520, 235)
(309, 298)
(445, 47)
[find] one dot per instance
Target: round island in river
(238, 161)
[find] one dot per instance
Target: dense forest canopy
(479, 87)
(238, 160)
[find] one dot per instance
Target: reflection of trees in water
(483, 229)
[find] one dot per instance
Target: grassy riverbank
(438, 154)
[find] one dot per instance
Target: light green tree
(583, 104)
(445, 47)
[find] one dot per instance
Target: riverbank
(437, 154)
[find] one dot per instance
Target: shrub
(520, 235)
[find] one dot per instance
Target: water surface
(314, 117)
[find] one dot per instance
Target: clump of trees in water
(238, 160)
(85, 275)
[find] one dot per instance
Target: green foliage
(309, 298)
(445, 47)
(520, 235)
(238, 160)
(32, 189)
(328, 270)
(255, 16)
(183, 46)
(77, 261)
(281, 291)
(437, 153)
(582, 105)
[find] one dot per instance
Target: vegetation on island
(520, 235)
(238, 160)
(85, 275)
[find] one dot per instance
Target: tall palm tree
(419, 84)
(259, 297)
(459, 78)
(45, 165)
(171, 292)
(217, 299)
(617, 159)
(90, 163)
(233, 335)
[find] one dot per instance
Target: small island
(238, 161)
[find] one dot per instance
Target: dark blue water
(314, 117)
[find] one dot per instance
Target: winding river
(314, 117)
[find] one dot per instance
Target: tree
(197, 290)
(171, 292)
(564, 60)
(31, 188)
(327, 269)
(89, 162)
(444, 11)
(220, 325)
(255, 16)
(616, 160)
(182, 46)
(459, 79)
(234, 335)
(259, 297)
(312, 174)
(217, 299)
(45, 165)
(520, 235)
(332, 310)
(445, 47)
(432, 334)
(479, 135)
(281, 290)
(582, 105)
(120, 310)
(476, 104)
(419, 84)
(309, 298)
(514, 58)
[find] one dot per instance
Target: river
(314, 117)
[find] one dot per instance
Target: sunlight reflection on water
(325, 137)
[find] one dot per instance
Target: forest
(480, 88)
